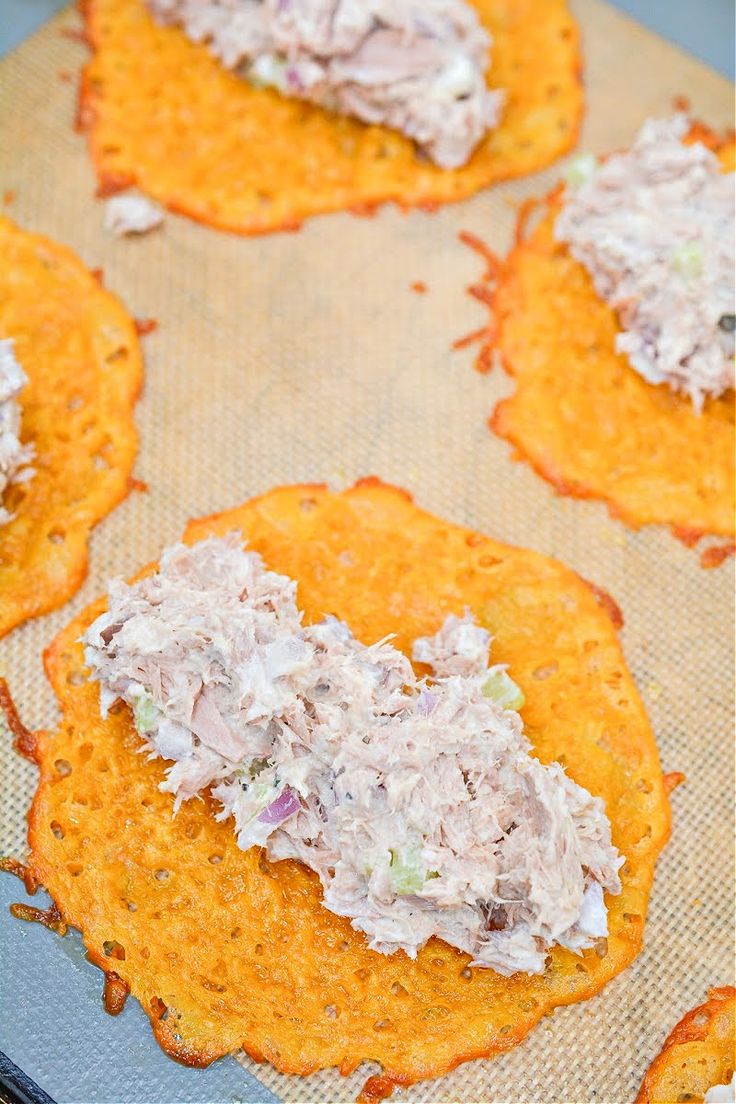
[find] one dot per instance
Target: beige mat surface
(303, 357)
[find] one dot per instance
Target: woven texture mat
(306, 357)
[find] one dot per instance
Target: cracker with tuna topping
(80, 359)
(580, 414)
(163, 113)
(226, 950)
(698, 1055)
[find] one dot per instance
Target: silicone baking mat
(307, 356)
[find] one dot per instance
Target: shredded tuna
(416, 801)
(722, 1094)
(418, 68)
(130, 214)
(13, 455)
(654, 227)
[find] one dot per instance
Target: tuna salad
(415, 800)
(722, 1094)
(131, 214)
(418, 68)
(13, 455)
(654, 227)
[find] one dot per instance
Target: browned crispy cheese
(80, 352)
(698, 1054)
(225, 950)
(581, 416)
(162, 113)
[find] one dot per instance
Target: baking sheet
(302, 357)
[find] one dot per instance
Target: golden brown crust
(81, 354)
(163, 114)
(224, 950)
(697, 1054)
(581, 416)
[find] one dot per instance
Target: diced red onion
(284, 806)
(426, 703)
(294, 80)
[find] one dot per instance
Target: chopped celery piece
(407, 870)
(689, 260)
(503, 690)
(580, 169)
(145, 713)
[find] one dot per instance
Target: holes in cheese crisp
(700, 1020)
(505, 1029)
(75, 678)
(601, 947)
(546, 670)
(56, 536)
(382, 1025)
(258, 949)
(466, 973)
(158, 1008)
(362, 974)
(437, 1012)
(213, 986)
(215, 859)
(632, 917)
(343, 945)
(113, 949)
(100, 461)
(162, 875)
(193, 829)
(331, 1011)
(131, 906)
(581, 969)
(398, 989)
(63, 767)
(306, 505)
(147, 803)
(487, 561)
(74, 402)
(236, 933)
(438, 962)
(56, 829)
(75, 869)
(117, 355)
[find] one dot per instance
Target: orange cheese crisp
(80, 352)
(583, 417)
(225, 950)
(163, 114)
(698, 1054)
